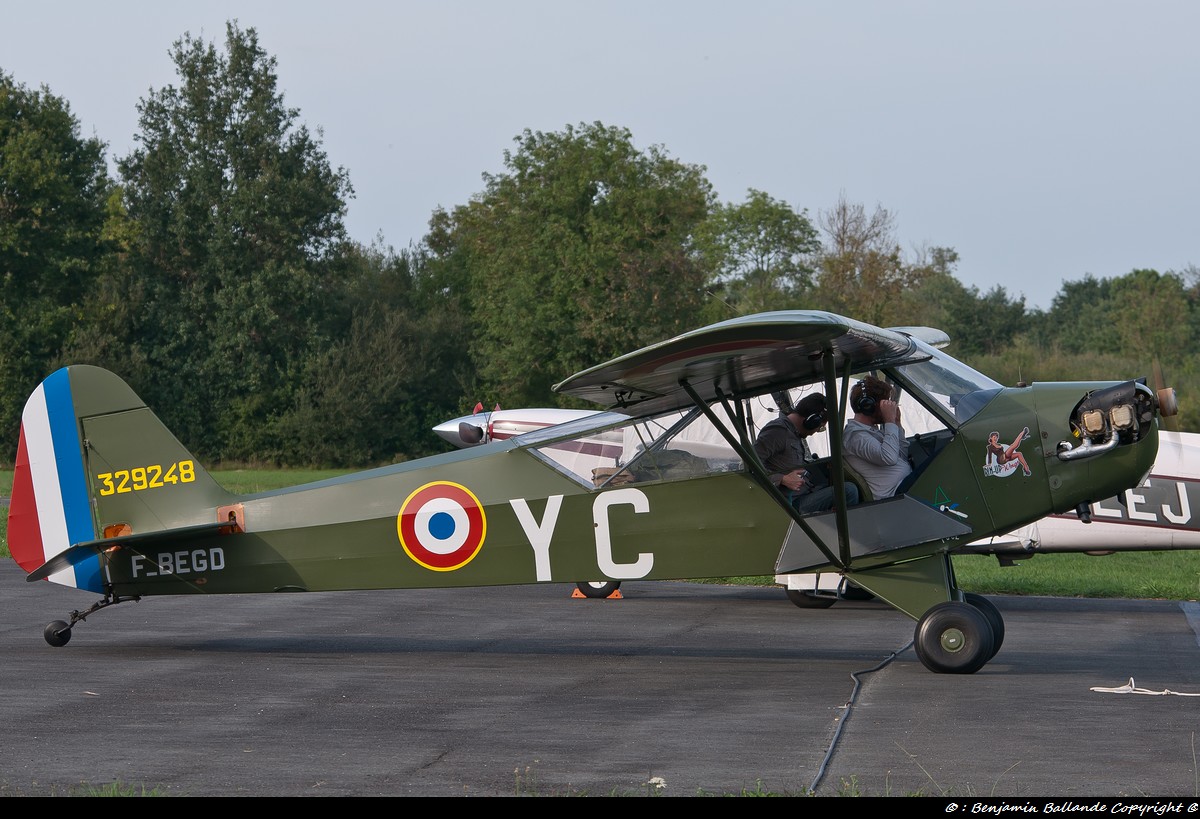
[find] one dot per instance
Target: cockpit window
(675, 445)
(959, 390)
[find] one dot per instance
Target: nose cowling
(1112, 416)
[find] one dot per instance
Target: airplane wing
(741, 357)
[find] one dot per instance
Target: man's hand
(889, 411)
(795, 480)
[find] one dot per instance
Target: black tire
(57, 634)
(598, 589)
(808, 600)
(954, 638)
(995, 619)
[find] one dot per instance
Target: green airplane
(663, 484)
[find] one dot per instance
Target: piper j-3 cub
(664, 484)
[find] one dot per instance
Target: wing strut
(741, 446)
(837, 466)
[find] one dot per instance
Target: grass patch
(1168, 575)
(83, 789)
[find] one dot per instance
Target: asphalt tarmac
(677, 689)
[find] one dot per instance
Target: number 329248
(152, 476)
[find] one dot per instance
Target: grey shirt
(880, 456)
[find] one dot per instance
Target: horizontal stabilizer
(883, 526)
(82, 551)
(66, 560)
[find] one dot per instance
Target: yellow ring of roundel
(442, 493)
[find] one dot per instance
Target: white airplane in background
(1158, 515)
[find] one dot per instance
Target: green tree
(863, 273)
(762, 254)
(1077, 320)
(576, 254)
(238, 223)
(1152, 314)
(975, 323)
(53, 187)
(1145, 314)
(374, 395)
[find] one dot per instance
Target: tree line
(215, 274)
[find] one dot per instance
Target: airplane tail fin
(94, 462)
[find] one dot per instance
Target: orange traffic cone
(616, 595)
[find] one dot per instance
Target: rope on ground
(846, 716)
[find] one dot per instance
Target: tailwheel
(993, 616)
(806, 599)
(57, 633)
(598, 589)
(954, 638)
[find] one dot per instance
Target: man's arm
(887, 451)
(771, 447)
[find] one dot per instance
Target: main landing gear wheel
(993, 616)
(808, 600)
(58, 633)
(599, 589)
(954, 638)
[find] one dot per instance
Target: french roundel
(442, 526)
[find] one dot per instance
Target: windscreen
(959, 390)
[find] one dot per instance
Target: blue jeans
(821, 500)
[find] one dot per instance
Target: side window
(585, 456)
(673, 446)
(688, 445)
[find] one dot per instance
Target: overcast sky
(1044, 140)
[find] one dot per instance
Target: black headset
(816, 420)
(864, 403)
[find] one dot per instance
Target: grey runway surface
(525, 690)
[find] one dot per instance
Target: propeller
(474, 433)
(1168, 408)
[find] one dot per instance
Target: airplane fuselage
(461, 520)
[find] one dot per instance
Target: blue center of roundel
(441, 525)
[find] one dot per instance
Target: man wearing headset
(874, 444)
(784, 452)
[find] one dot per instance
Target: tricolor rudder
(50, 510)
